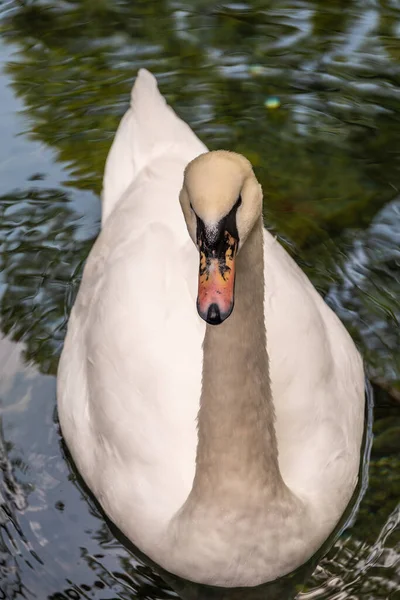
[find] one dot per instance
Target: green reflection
(41, 263)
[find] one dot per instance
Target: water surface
(309, 92)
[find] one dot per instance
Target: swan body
(210, 498)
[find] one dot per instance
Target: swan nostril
(214, 315)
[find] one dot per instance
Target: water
(309, 91)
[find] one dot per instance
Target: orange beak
(217, 279)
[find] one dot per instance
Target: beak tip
(213, 315)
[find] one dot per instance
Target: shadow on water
(309, 92)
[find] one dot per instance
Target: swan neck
(237, 443)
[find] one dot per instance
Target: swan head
(221, 200)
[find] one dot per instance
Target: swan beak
(217, 279)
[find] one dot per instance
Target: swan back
(149, 130)
(129, 377)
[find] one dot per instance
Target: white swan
(171, 421)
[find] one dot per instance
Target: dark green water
(309, 91)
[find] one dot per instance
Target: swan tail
(149, 129)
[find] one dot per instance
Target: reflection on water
(310, 93)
